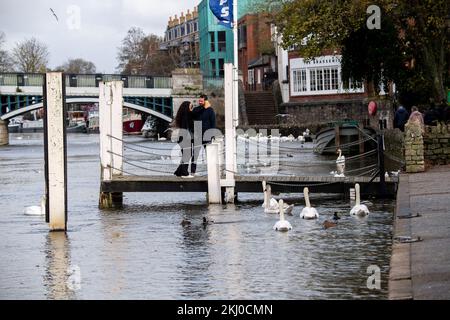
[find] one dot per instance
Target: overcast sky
(97, 33)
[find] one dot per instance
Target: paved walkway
(421, 269)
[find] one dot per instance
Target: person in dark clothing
(430, 118)
(400, 118)
(203, 114)
(184, 122)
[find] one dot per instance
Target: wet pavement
(420, 269)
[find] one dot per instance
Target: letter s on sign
(225, 12)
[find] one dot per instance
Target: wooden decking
(250, 183)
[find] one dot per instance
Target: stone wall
(323, 112)
(414, 149)
(437, 144)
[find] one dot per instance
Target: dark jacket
(206, 116)
(400, 118)
(186, 123)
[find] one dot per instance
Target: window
(251, 76)
(334, 79)
(221, 41)
(327, 78)
(321, 75)
(312, 80)
(182, 31)
(213, 67)
(188, 28)
(195, 26)
(299, 80)
(221, 70)
(242, 36)
(212, 42)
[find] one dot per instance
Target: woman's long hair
(183, 111)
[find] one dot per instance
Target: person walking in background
(416, 117)
(400, 118)
(431, 116)
(184, 124)
(203, 114)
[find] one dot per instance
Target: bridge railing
(87, 80)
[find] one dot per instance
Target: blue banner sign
(223, 10)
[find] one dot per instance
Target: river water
(143, 252)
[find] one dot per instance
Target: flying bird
(54, 14)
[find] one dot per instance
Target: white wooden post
(110, 118)
(55, 152)
(230, 135)
(212, 157)
(111, 145)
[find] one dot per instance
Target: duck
(185, 223)
(161, 138)
(206, 222)
(329, 224)
(336, 216)
(36, 210)
(282, 224)
(308, 212)
(271, 205)
(359, 209)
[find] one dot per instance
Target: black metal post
(380, 143)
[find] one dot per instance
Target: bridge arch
(36, 106)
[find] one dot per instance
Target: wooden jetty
(250, 184)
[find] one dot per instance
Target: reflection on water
(57, 256)
(143, 252)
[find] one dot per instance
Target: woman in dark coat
(184, 122)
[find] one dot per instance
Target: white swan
(271, 205)
(282, 224)
(36, 210)
(341, 157)
(301, 139)
(308, 212)
(340, 163)
(359, 209)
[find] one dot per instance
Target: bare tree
(140, 54)
(78, 65)
(31, 55)
(131, 53)
(5, 59)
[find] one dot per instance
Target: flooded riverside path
(143, 252)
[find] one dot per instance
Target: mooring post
(380, 142)
(4, 135)
(361, 137)
(111, 143)
(337, 136)
(212, 157)
(55, 151)
(230, 135)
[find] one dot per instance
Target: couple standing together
(193, 124)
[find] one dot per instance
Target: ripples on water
(142, 251)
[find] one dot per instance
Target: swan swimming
(308, 212)
(271, 205)
(36, 210)
(359, 209)
(282, 224)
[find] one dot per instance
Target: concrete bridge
(22, 92)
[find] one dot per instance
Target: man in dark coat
(400, 118)
(203, 114)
